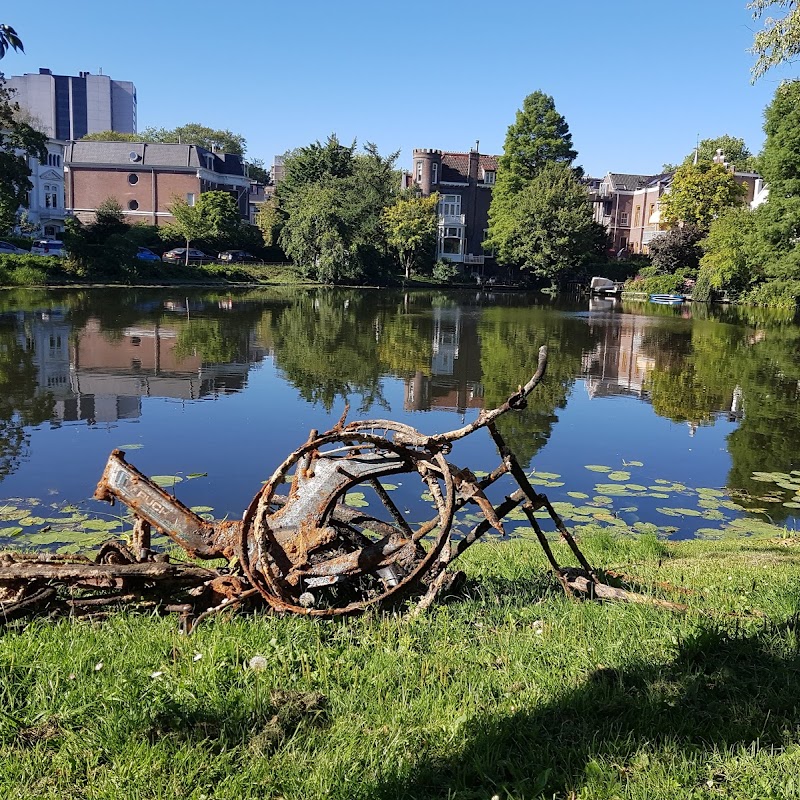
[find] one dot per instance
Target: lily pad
(192, 475)
(578, 495)
(202, 509)
(619, 475)
(166, 481)
(130, 447)
(355, 500)
(597, 468)
(632, 463)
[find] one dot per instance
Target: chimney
(474, 159)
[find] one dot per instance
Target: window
(419, 172)
(53, 160)
(434, 173)
(190, 199)
(133, 205)
(489, 176)
(623, 217)
(637, 217)
(50, 196)
(133, 179)
(651, 211)
(451, 240)
(450, 205)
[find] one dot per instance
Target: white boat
(604, 286)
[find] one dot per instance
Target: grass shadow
(719, 691)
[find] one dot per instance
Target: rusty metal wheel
(310, 553)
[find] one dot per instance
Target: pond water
(684, 421)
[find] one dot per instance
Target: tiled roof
(455, 166)
(149, 154)
(628, 183)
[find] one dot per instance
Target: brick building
(146, 178)
(464, 182)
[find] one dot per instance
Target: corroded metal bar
(150, 502)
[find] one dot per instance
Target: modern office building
(69, 107)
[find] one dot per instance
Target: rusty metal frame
(306, 552)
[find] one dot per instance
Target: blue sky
(636, 81)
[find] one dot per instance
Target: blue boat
(667, 299)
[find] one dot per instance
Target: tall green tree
(779, 40)
(18, 141)
(411, 229)
(733, 255)
(538, 140)
(331, 203)
(552, 230)
(699, 193)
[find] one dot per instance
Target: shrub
(445, 271)
(778, 294)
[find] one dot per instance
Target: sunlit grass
(512, 690)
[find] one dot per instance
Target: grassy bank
(512, 690)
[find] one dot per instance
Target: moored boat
(667, 299)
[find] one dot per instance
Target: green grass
(511, 690)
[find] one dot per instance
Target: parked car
(48, 247)
(236, 255)
(147, 255)
(178, 256)
(6, 249)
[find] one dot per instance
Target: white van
(47, 247)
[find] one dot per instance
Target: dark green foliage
(675, 249)
(9, 39)
(18, 141)
(331, 204)
(553, 231)
(540, 219)
(747, 252)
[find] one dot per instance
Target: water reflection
(97, 357)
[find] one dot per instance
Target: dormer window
(489, 176)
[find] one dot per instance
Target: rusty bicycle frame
(307, 552)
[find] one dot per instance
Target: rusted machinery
(306, 551)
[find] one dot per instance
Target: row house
(613, 205)
(146, 178)
(464, 182)
(628, 206)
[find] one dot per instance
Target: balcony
(451, 219)
(471, 259)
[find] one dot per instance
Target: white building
(46, 198)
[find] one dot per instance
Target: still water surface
(675, 410)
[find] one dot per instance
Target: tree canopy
(699, 193)
(736, 152)
(9, 39)
(779, 40)
(215, 215)
(539, 209)
(18, 141)
(411, 228)
(191, 133)
(331, 205)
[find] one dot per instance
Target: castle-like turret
(427, 169)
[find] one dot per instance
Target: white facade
(46, 198)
